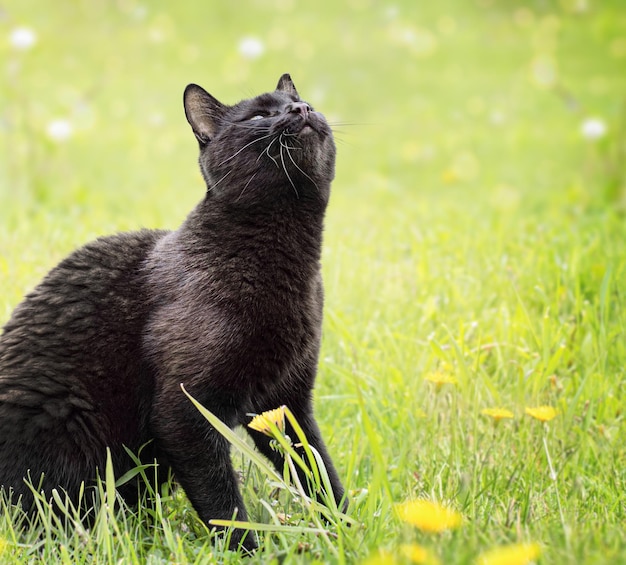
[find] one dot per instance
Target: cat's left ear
(203, 112)
(285, 84)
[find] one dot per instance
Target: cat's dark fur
(230, 305)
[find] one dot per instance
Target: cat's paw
(246, 541)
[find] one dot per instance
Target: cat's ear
(202, 111)
(285, 84)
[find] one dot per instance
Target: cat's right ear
(202, 111)
(285, 84)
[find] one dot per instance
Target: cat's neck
(292, 228)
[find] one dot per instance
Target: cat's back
(97, 285)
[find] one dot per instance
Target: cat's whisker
(269, 154)
(295, 137)
(282, 159)
(243, 148)
(332, 124)
(267, 151)
(246, 186)
(214, 185)
(287, 149)
(297, 167)
(286, 146)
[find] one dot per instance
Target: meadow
(474, 345)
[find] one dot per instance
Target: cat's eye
(257, 117)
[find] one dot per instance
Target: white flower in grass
(23, 38)
(251, 47)
(593, 128)
(59, 130)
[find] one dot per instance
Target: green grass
(472, 230)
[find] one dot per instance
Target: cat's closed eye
(262, 114)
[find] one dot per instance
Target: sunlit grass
(474, 256)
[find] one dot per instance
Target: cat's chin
(302, 129)
(309, 129)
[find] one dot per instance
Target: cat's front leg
(200, 458)
(299, 402)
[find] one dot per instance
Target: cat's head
(273, 146)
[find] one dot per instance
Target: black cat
(230, 305)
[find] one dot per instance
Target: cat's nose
(301, 108)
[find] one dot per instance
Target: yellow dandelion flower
(515, 554)
(497, 413)
(428, 516)
(4, 545)
(418, 554)
(439, 378)
(543, 413)
(261, 422)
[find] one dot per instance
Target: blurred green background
(481, 96)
